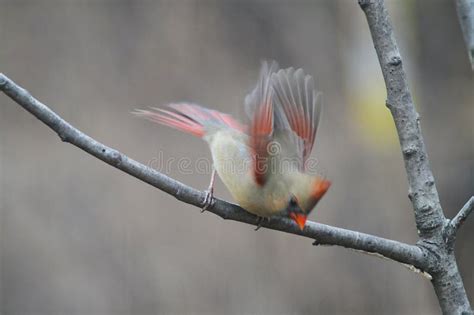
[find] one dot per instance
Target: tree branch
(454, 225)
(465, 9)
(429, 217)
(422, 189)
(462, 215)
(324, 234)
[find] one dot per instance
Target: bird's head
(304, 197)
(295, 212)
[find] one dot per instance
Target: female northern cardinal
(262, 164)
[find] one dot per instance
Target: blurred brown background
(79, 237)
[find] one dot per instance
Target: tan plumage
(262, 165)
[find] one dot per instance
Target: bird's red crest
(320, 187)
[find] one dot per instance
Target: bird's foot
(260, 220)
(209, 199)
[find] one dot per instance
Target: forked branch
(455, 224)
(429, 217)
(324, 234)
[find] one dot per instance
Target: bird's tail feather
(190, 118)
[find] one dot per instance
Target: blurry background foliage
(79, 237)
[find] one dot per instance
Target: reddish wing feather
(295, 94)
(261, 127)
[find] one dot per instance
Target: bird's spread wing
(284, 109)
(259, 108)
(296, 101)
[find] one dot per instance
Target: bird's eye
(293, 201)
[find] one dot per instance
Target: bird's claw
(259, 222)
(208, 200)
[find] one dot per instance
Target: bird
(262, 161)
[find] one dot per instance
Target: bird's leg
(209, 199)
(259, 222)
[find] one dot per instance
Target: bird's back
(233, 162)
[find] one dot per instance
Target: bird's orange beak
(300, 219)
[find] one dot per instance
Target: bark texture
(431, 223)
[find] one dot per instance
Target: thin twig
(462, 215)
(325, 234)
(465, 9)
(458, 220)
